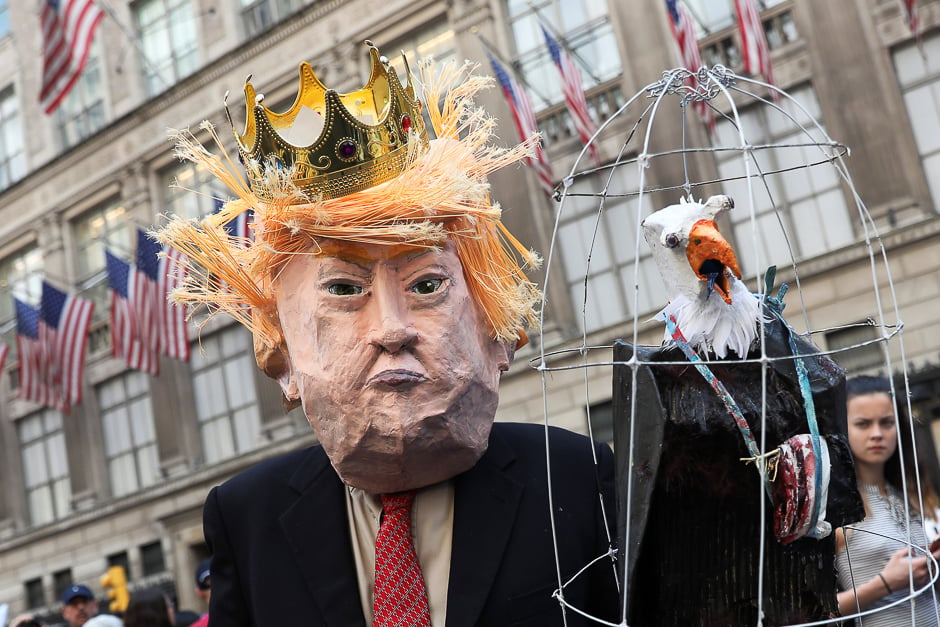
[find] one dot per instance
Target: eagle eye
(671, 240)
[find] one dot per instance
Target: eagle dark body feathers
(696, 554)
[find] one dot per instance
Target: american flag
(35, 378)
(754, 48)
(683, 31)
(68, 27)
(163, 273)
(134, 336)
(151, 299)
(240, 226)
(4, 349)
(571, 87)
(913, 19)
(523, 115)
(64, 320)
(175, 336)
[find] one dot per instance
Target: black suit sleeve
(227, 605)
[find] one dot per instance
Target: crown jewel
(363, 139)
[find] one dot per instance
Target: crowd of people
(148, 607)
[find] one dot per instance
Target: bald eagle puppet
(711, 442)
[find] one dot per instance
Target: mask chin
(429, 450)
(411, 471)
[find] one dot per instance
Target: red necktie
(400, 596)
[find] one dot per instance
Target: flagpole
(564, 43)
(517, 75)
(93, 280)
(132, 37)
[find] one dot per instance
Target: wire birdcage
(691, 135)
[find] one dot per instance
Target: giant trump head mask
(383, 291)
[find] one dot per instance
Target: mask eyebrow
(359, 255)
(433, 266)
(330, 263)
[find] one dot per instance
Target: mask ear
(507, 352)
(275, 362)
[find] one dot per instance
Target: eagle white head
(711, 305)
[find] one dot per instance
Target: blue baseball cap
(76, 590)
(202, 575)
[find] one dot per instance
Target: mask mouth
(397, 379)
(712, 259)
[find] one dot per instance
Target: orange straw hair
(442, 195)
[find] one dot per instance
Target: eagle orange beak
(711, 257)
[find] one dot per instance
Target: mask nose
(392, 328)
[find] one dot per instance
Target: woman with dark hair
(150, 607)
(875, 565)
(26, 620)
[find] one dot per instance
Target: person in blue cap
(203, 589)
(78, 605)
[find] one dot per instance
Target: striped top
(870, 544)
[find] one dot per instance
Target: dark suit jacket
(281, 552)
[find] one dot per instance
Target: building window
(151, 558)
(45, 466)
(799, 209)
(260, 15)
(5, 28)
(81, 112)
(226, 400)
(559, 125)
(435, 40)
(601, 416)
(180, 183)
(599, 259)
(120, 559)
(715, 15)
(920, 87)
(168, 36)
(108, 226)
(856, 350)
(60, 581)
(129, 437)
(35, 595)
(723, 52)
(779, 28)
(12, 155)
(581, 26)
(432, 41)
(21, 278)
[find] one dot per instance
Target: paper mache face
(394, 347)
(394, 365)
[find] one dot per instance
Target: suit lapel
(317, 530)
(486, 499)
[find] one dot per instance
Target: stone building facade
(121, 479)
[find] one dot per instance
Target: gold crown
(363, 142)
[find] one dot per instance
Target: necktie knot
(397, 501)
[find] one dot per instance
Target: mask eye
(671, 240)
(427, 286)
(343, 289)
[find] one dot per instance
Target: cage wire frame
(704, 87)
